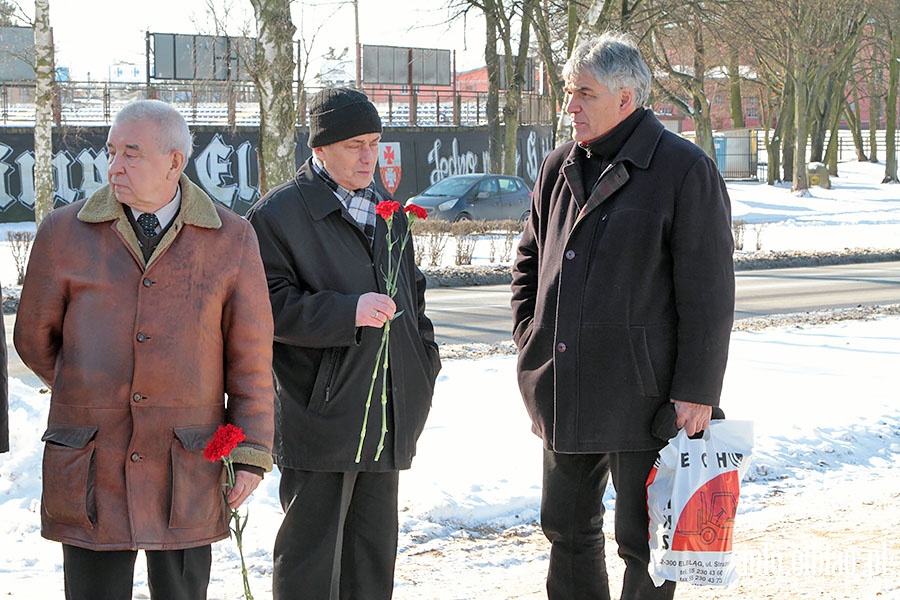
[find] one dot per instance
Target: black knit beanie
(337, 114)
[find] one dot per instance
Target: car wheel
(463, 217)
(525, 216)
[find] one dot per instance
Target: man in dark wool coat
(326, 255)
(623, 300)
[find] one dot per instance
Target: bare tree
(676, 47)
(43, 111)
(7, 14)
(515, 70)
(809, 44)
(274, 76)
(507, 22)
(887, 12)
(551, 26)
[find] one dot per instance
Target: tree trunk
(555, 84)
(855, 132)
(874, 118)
(817, 129)
(492, 62)
(890, 108)
(734, 78)
(274, 76)
(789, 133)
(834, 124)
(515, 82)
(773, 149)
(43, 112)
(800, 181)
(701, 117)
(703, 125)
(854, 123)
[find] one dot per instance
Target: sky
(823, 481)
(92, 34)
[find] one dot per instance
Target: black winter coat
(318, 263)
(629, 306)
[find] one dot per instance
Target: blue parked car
(476, 196)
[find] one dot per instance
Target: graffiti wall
(224, 162)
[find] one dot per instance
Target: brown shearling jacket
(140, 358)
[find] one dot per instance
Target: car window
(451, 186)
(508, 185)
(488, 185)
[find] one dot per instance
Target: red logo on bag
(707, 520)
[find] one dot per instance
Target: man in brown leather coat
(143, 308)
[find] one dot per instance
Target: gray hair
(173, 132)
(614, 60)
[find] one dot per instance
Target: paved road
(482, 314)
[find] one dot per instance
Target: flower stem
(238, 528)
(365, 423)
(238, 531)
(384, 378)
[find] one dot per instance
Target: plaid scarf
(359, 203)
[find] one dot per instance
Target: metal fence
(846, 148)
(237, 104)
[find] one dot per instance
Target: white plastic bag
(692, 498)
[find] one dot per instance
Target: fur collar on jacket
(197, 209)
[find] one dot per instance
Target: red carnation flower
(226, 439)
(416, 210)
(386, 209)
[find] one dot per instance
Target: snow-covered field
(820, 505)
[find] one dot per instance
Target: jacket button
(561, 347)
(137, 397)
(135, 457)
(570, 254)
(147, 282)
(141, 337)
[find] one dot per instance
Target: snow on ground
(820, 504)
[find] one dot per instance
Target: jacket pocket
(68, 475)
(642, 360)
(616, 363)
(197, 484)
(321, 391)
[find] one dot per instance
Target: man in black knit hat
(623, 300)
(325, 255)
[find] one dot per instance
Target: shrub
(758, 228)
(430, 240)
(20, 244)
(737, 229)
(466, 234)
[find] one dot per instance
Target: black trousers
(572, 519)
(109, 574)
(338, 540)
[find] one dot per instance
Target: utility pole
(358, 47)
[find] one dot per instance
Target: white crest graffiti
(214, 169)
(455, 164)
(225, 165)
